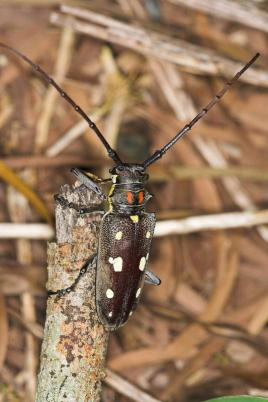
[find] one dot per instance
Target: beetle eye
(141, 197)
(130, 197)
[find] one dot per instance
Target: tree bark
(75, 342)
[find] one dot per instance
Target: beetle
(126, 229)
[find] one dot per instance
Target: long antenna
(111, 152)
(159, 153)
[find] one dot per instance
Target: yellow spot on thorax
(134, 218)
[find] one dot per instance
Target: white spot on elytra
(148, 235)
(138, 292)
(110, 314)
(142, 263)
(118, 235)
(109, 293)
(130, 314)
(147, 256)
(117, 263)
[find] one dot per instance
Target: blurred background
(142, 69)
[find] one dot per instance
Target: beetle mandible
(126, 228)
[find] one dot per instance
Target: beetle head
(128, 193)
(129, 173)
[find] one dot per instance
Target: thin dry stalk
(36, 3)
(39, 161)
(246, 13)
(127, 389)
(34, 328)
(190, 57)
(211, 222)
(192, 172)
(72, 134)
(5, 114)
(258, 392)
(212, 154)
(156, 173)
(199, 361)
(260, 318)
(229, 220)
(171, 85)
(4, 327)
(18, 207)
(48, 106)
(26, 231)
(120, 103)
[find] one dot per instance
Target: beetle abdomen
(124, 246)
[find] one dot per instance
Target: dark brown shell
(124, 246)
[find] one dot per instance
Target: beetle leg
(88, 264)
(95, 178)
(89, 182)
(151, 278)
(78, 208)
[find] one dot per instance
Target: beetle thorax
(128, 194)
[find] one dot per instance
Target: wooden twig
(75, 343)
(246, 12)
(188, 56)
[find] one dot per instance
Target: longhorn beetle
(126, 228)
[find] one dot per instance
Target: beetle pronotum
(126, 229)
